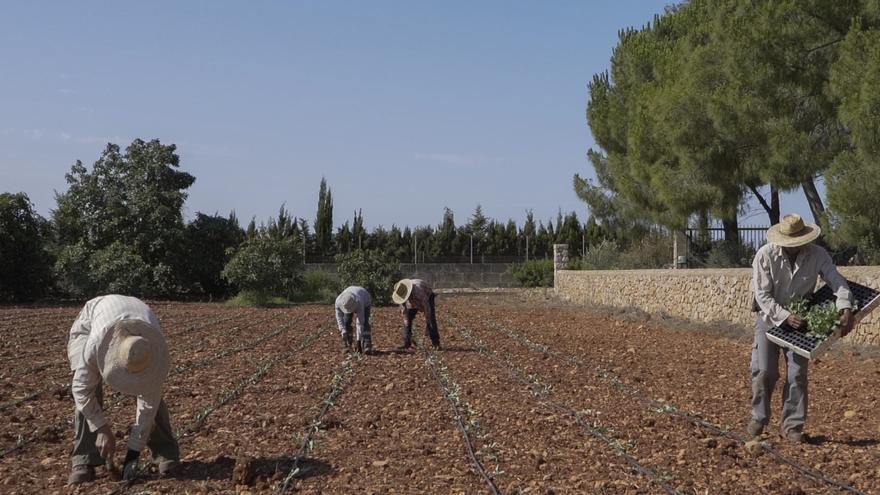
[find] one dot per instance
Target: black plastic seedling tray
(867, 300)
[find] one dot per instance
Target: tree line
(119, 227)
(719, 101)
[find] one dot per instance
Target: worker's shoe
(346, 342)
(755, 428)
(166, 467)
(367, 347)
(81, 474)
(796, 436)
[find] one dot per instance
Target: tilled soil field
(526, 396)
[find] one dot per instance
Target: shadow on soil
(222, 468)
(415, 350)
(860, 442)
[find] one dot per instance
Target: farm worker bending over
(355, 301)
(415, 295)
(117, 340)
(785, 269)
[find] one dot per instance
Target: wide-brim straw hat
(402, 291)
(347, 302)
(137, 360)
(792, 231)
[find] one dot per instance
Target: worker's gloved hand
(130, 471)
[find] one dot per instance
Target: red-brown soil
(550, 397)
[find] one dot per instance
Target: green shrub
(533, 273)
(25, 263)
(602, 256)
(729, 254)
(250, 298)
(373, 270)
(265, 267)
(319, 286)
(114, 269)
(651, 251)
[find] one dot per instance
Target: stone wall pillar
(560, 259)
(679, 249)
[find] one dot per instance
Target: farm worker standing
(415, 295)
(355, 302)
(117, 340)
(784, 269)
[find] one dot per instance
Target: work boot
(346, 342)
(166, 467)
(81, 474)
(796, 436)
(755, 428)
(368, 347)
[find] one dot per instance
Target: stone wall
(700, 295)
(449, 275)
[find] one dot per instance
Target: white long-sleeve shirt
(90, 336)
(362, 301)
(777, 283)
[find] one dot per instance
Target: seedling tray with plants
(821, 315)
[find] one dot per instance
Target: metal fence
(424, 258)
(752, 237)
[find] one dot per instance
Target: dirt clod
(243, 472)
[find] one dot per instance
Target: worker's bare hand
(846, 322)
(794, 321)
(105, 442)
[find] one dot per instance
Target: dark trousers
(431, 329)
(162, 444)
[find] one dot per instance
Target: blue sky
(405, 107)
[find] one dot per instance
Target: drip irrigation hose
(690, 417)
(457, 415)
(559, 406)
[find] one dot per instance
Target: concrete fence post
(679, 249)
(560, 259)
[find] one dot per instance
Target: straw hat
(137, 358)
(792, 231)
(402, 291)
(346, 302)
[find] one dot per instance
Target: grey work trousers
(364, 336)
(162, 444)
(765, 373)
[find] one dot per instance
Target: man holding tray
(784, 269)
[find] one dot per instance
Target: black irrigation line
(666, 408)
(13, 372)
(30, 315)
(31, 396)
(337, 386)
(200, 363)
(226, 397)
(457, 415)
(34, 395)
(235, 328)
(65, 336)
(21, 443)
(541, 394)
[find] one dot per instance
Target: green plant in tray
(820, 318)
